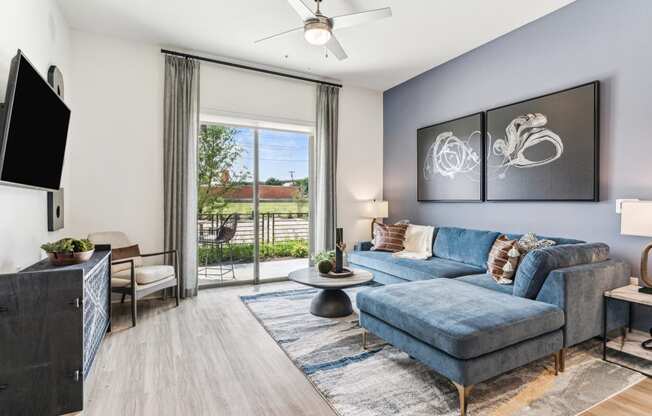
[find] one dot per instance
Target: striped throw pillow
(503, 259)
(389, 237)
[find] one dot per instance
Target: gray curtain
(181, 118)
(323, 171)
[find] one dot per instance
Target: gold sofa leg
(364, 339)
(557, 357)
(463, 392)
(562, 360)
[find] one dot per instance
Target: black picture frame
(463, 183)
(572, 117)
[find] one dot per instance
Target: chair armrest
(579, 291)
(363, 246)
(173, 251)
(132, 271)
(114, 263)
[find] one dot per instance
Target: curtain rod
(250, 68)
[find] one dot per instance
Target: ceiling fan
(318, 29)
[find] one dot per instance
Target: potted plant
(322, 259)
(68, 251)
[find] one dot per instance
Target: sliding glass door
(253, 204)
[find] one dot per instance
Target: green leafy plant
(68, 245)
(325, 255)
(245, 252)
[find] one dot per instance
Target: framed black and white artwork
(545, 148)
(450, 160)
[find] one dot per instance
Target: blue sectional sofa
(451, 315)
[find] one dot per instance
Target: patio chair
(130, 276)
(225, 233)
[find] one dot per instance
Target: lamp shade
(636, 218)
(378, 209)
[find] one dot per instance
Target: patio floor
(271, 269)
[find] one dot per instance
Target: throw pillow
(389, 237)
(530, 242)
(503, 259)
(125, 253)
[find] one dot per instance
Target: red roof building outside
(266, 192)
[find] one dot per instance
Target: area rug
(385, 381)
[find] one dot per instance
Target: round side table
(331, 301)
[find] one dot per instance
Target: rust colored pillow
(125, 252)
(389, 237)
(503, 259)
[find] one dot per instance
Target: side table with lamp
(636, 220)
(377, 209)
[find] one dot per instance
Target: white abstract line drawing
(449, 156)
(522, 133)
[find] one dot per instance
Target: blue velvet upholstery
(408, 269)
(381, 277)
(461, 319)
(578, 291)
(465, 246)
(363, 246)
(537, 264)
(471, 371)
(486, 281)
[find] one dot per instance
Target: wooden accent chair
(130, 276)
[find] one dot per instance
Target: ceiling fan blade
(355, 19)
(335, 47)
(287, 32)
(301, 9)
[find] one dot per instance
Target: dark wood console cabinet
(52, 322)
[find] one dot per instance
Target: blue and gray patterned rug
(386, 381)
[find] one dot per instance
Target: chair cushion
(147, 274)
(537, 264)
(486, 281)
(409, 269)
(459, 318)
(463, 245)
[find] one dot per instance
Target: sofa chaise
(448, 313)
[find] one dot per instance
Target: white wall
(360, 160)
(118, 148)
(117, 151)
(39, 30)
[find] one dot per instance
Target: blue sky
(280, 152)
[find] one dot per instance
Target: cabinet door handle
(3, 387)
(77, 302)
(76, 375)
(4, 309)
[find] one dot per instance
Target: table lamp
(377, 209)
(636, 219)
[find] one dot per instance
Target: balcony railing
(272, 227)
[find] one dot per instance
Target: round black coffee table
(331, 301)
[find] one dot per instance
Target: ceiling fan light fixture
(317, 33)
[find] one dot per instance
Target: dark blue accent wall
(605, 40)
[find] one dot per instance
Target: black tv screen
(33, 137)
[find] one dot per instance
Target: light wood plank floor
(211, 357)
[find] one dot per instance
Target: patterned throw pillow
(503, 259)
(530, 242)
(389, 237)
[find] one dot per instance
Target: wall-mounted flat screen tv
(33, 129)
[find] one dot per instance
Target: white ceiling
(420, 35)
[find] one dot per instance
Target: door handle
(3, 387)
(77, 302)
(4, 309)
(76, 375)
